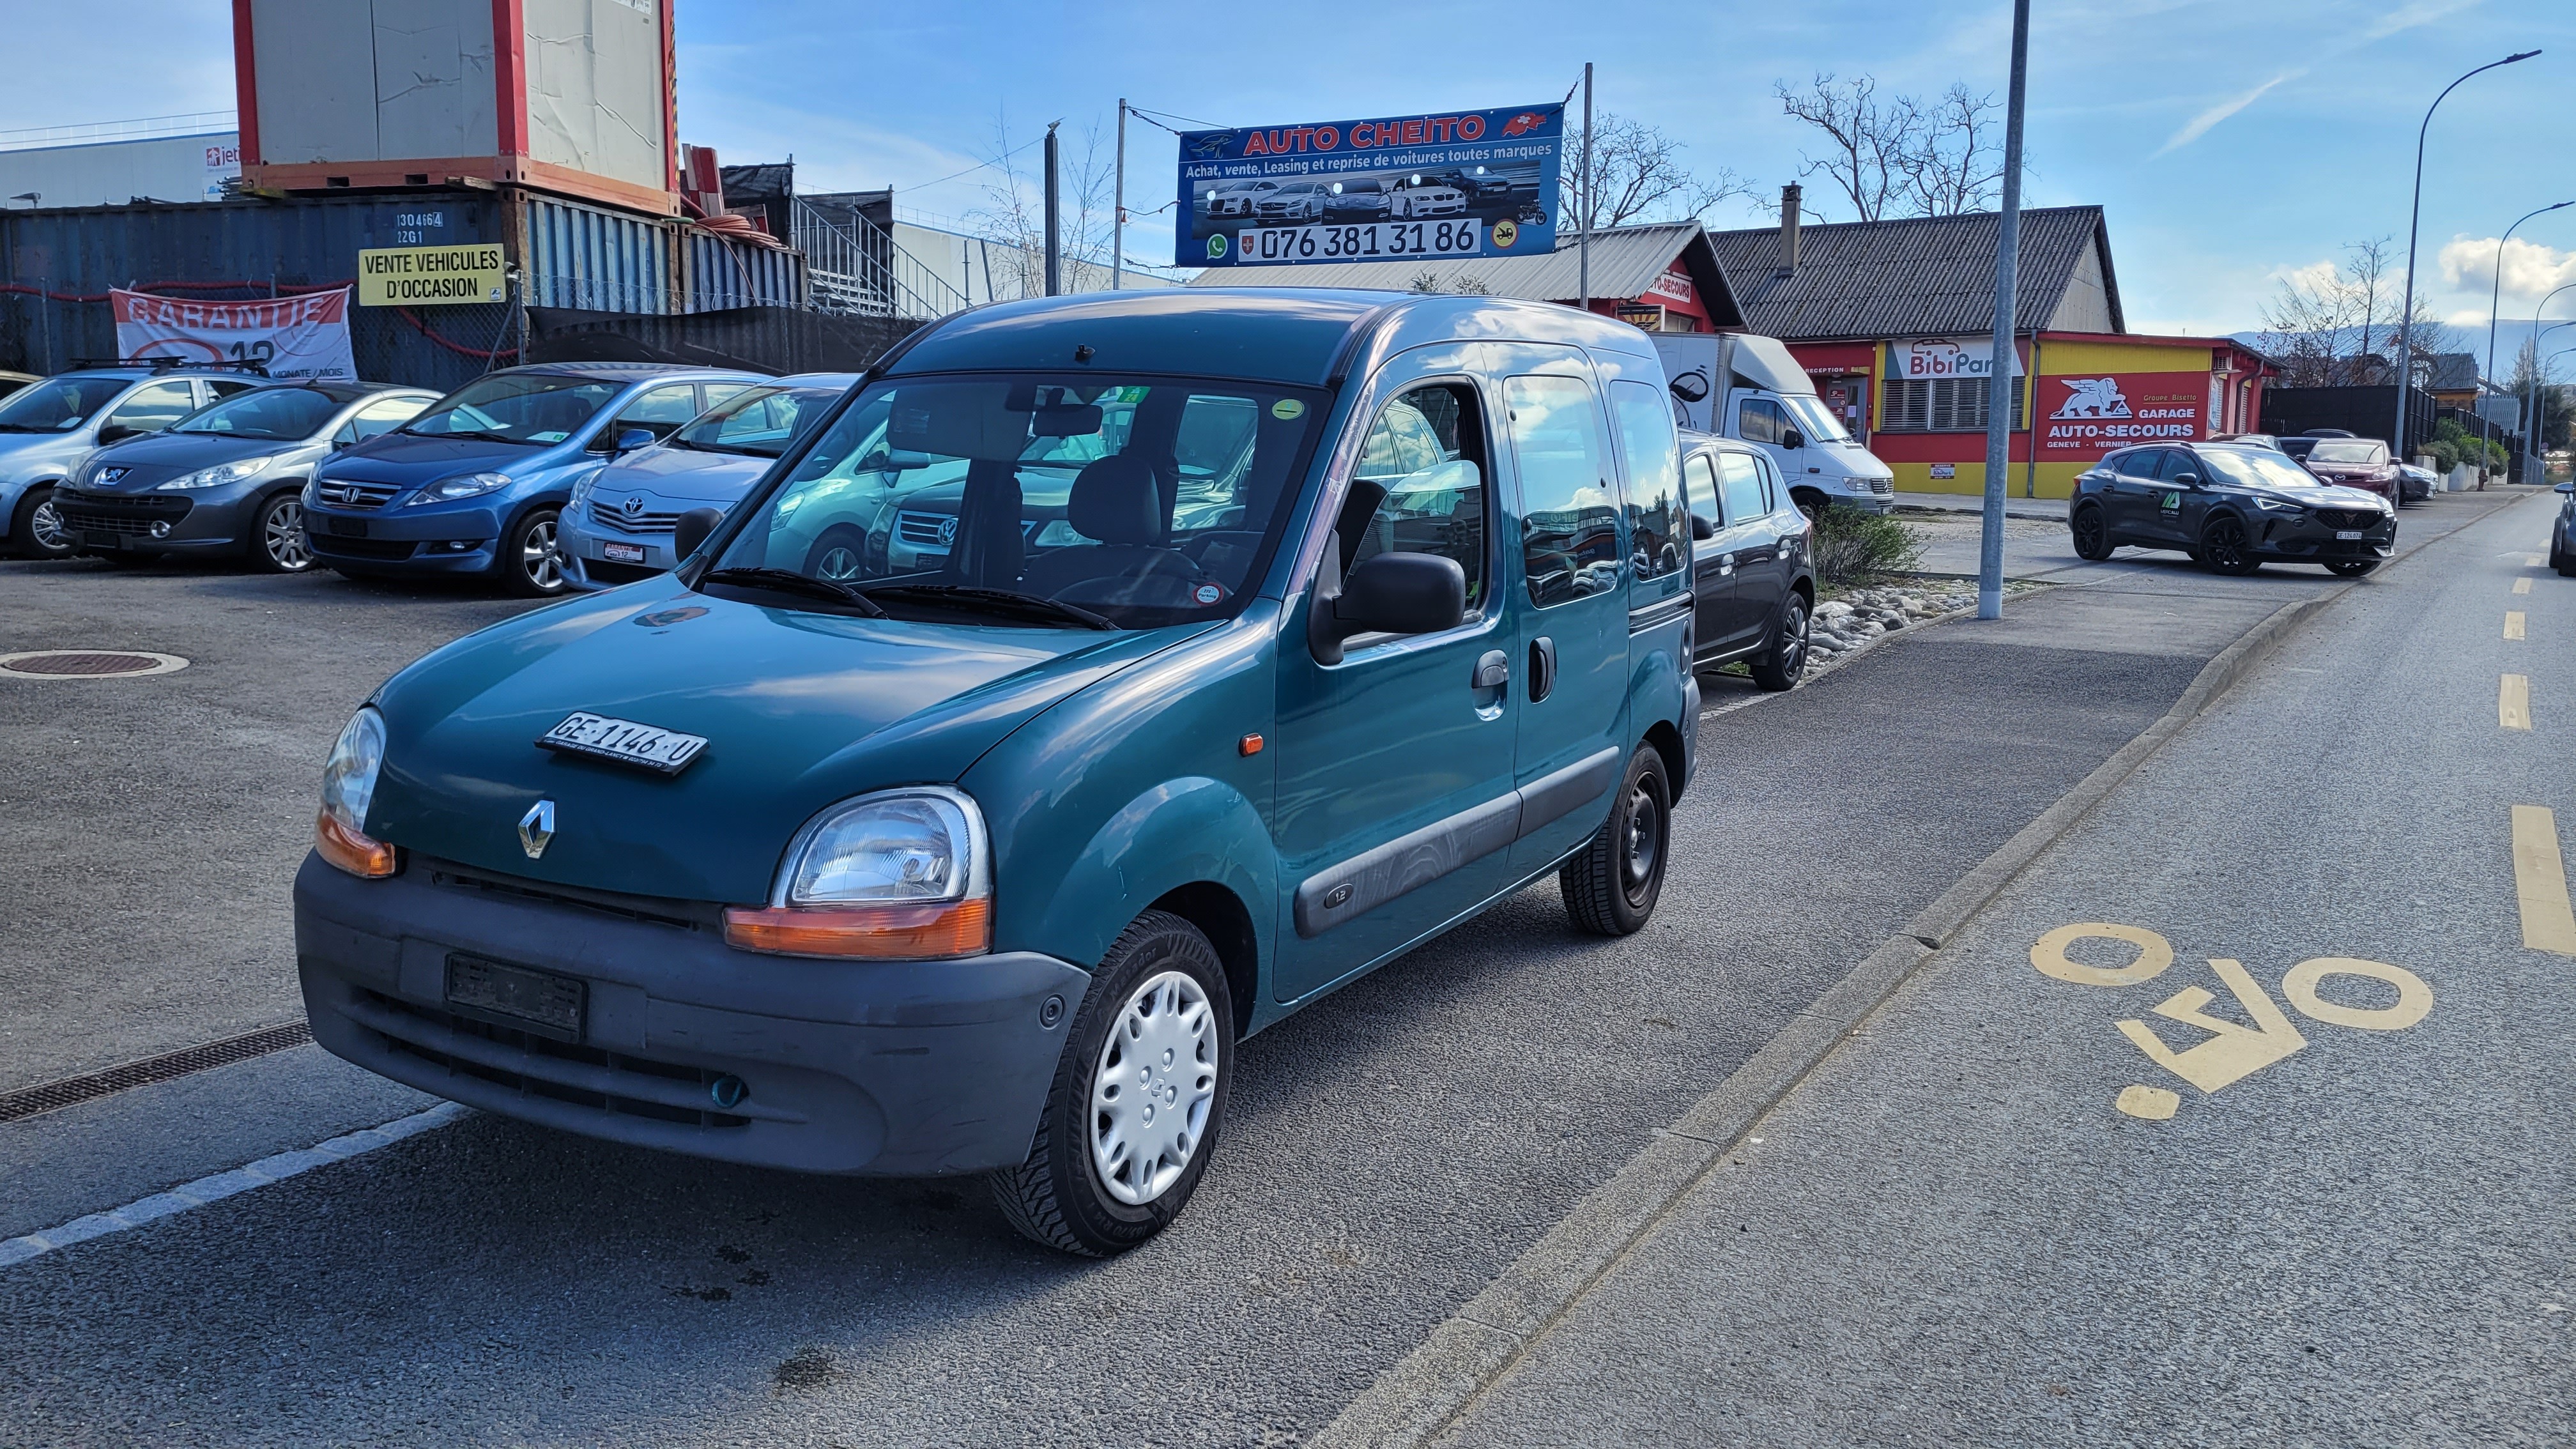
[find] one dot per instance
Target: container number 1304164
(1360, 243)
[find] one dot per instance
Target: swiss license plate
(2347, 535)
(94, 539)
(624, 741)
(622, 552)
(345, 527)
(549, 1004)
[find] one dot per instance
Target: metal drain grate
(87, 663)
(47, 1096)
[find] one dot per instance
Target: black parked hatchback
(2233, 507)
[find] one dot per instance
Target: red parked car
(2356, 463)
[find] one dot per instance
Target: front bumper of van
(670, 1038)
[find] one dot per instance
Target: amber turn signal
(1249, 745)
(350, 851)
(901, 932)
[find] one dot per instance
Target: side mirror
(2187, 480)
(1391, 593)
(1701, 529)
(630, 439)
(1792, 438)
(116, 433)
(2566, 488)
(692, 529)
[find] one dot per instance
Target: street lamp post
(2495, 298)
(2530, 425)
(2531, 417)
(2414, 219)
(2540, 380)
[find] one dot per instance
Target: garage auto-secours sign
(2086, 415)
(1459, 184)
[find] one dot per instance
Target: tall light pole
(2495, 298)
(1118, 222)
(1054, 241)
(2531, 416)
(2539, 454)
(2530, 424)
(2414, 219)
(1999, 385)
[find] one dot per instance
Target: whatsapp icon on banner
(1216, 247)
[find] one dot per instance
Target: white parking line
(224, 1184)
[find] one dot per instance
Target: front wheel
(2224, 548)
(1787, 660)
(1138, 1099)
(529, 565)
(1611, 886)
(38, 530)
(2351, 568)
(277, 541)
(1811, 503)
(2092, 536)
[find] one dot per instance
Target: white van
(1737, 385)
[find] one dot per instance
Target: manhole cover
(87, 664)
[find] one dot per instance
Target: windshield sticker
(1209, 594)
(1286, 408)
(548, 437)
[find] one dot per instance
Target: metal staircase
(853, 267)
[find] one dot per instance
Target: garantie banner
(305, 337)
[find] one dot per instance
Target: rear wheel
(38, 530)
(840, 555)
(1787, 660)
(529, 565)
(2092, 534)
(1138, 1099)
(2224, 548)
(277, 541)
(2351, 568)
(1610, 888)
(1810, 502)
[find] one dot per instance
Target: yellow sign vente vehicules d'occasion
(431, 276)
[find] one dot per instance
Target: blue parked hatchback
(476, 484)
(1365, 612)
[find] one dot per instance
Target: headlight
(220, 474)
(903, 873)
(464, 485)
(2279, 505)
(581, 490)
(348, 788)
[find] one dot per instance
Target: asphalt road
(1390, 1150)
(1953, 1234)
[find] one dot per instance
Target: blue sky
(2232, 141)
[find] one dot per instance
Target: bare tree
(1638, 174)
(1897, 155)
(2335, 324)
(1014, 214)
(1865, 158)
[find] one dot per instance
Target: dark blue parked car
(476, 484)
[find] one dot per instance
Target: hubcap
(46, 524)
(2223, 544)
(1645, 842)
(1153, 1087)
(2088, 527)
(839, 564)
(537, 556)
(282, 534)
(1793, 643)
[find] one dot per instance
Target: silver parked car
(49, 429)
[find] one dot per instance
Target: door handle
(1493, 670)
(1542, 677)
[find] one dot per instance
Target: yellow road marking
(2532, 560)
(2540, 882)
(2522, 586)
(2152, 1104)
(2513, 624)
(2513, 703)
(2233, 1050)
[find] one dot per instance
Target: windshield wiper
(486, 436)
(32, 428)
(997, 601)
(788, 581)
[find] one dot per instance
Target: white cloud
(2531, 270)
(2412, 14)
(2313, 276)
(2198, 126)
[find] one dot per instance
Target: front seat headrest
(1115, 500)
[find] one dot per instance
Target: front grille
(371, 548)
(1882, 485)
(658, 910)
(341, 494)
(624, 522)
(86, 513)
(2347, 517)
(601, 571)
(922, 530)
(626, 1085)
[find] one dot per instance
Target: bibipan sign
(1925, 358)
(1459, 184)
(431, 276)
(304, 337)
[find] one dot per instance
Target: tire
(528, 566)
(1781, 667)
(277, 542)
(1159, 985)
(2092, 534)
(1810, 502)
(1610, 888)
(840, 555)
(37, 531)
(2224, 548)
(2351, 568)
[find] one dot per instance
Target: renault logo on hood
(537, 828)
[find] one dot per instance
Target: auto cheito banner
(1459, 184)
(303, 337)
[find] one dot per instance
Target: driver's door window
(660, 411)
(151, 408)
(1424, 462)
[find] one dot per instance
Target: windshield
(757, 422)
(536, 408)
(278, 414)
(1815, 419)
(1144, 501)
(2255, 468)
(59, 404)
(2348, 450)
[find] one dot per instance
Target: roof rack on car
(165, 363)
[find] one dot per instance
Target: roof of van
(1299, 335)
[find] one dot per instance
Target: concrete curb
(1427, 1391)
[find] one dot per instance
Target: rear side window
(1700, 477)
(1569, 523)
(1740, 480)
(1438, 507)
(1653, 454)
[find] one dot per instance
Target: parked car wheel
(840, 554)
(2565, 563)
(1786, 661)
(38, 530)
(2092, 535)
(277, 541)
(1611, 887)
(2224, 549)
(1138, 1099)
(1810, 502)
(2351, 568)
(528, 564)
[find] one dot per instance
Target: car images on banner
(1461, 184)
